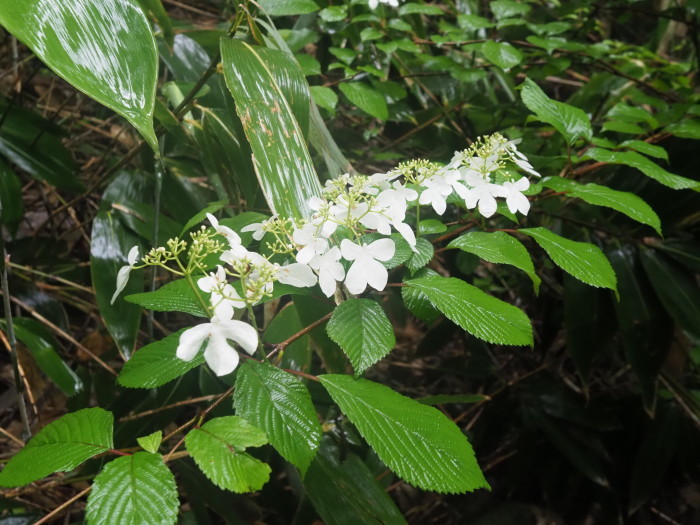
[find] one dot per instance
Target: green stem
(195, 288)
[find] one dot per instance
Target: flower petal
(350, 250)
(220, 356)
(133, 255)
(122, 279)
(296, 274)
(242, 333)
(382, 249)
(191, 341)
(356, 278)
(377, 275)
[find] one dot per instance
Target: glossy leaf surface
(280, 155)
(416, 441)
(105, 49)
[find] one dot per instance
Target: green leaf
(416, 441)
(648, 149)
(431, 226)
(109, 245)
(151, 442)
(201, 215)
(360, 327)
(43, 347)
(288, 7)
(583, 260)
(278, 403)
(218, 447)
(60, 447)
(133, 489)
(498, 247)
(156, 364)
(345, 492)
(567, 120)
(366, 98)
(334, 13)
(508, 8)
(105, 49)
(421, 258)
(422, 9)
(370, 33)
(324, 97)
(502, 54)
(643, 164)
(281, 158)
(677, 290)
(175, 296)
(624, 202)
(685, 129)
(417, 302)
(11, 205)
(475, 311)
(155, 9)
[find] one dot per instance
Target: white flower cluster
(350, 207)
(374, 3)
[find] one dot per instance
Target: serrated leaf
(582, 260)
(345, 492)
(281, 157)
(151, 442)
(421, 258)
(624, 202)
(218, 448)
(175, 296)
(366, 98)
(498, 247)
(417, 302)
(502, 54)
(105, 49)
(360, 327)
(278, 403)
(477, 312)
(60, 447)
(133, 489)
(648, 149)
(567, 120)
(643, 164)
(416, 441)
(156, 364)
(324, 97)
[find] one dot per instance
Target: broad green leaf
(44, 349)
(345, 492)
(677, 290)
(105, 49)
(583, 260)
(498, 247)
(334, 13)
(423, 9)
(60, 447)
(417, 302)
(288, 7)
(685, 129)
(156, 364)
(567, 120)
(624, 202)
(502, 54)
(643, 164)
(155, 9)
(416, 441)
(110, 243)
(362, 330)
(151, 442)
(34, 144)
(422, 257)
(477, 312)
(11, 205)
(366, 98)
(275, 401)
(508, 8)
(280, 155)
(324, 97)
(133, 489)
(218, 447)
(648, 149)
(311, 309)
(431, 226)
(175, 296)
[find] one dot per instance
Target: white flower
(312, 244)
(407, 233)
(231, 236)
(257, 228)
(342, 210)
(437, 190)
(124, 271)
(221, 357)
(374, 3)
(235, 254)
(483, 193)
(367, 269)
(296, 274)
(329, 270)
(515, 200)
(224, 297)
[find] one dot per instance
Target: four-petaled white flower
(257, 228)
(367, 270)
(124, 271)
(231, 236)
(436, 191)
(515, 199)
(307, 237)
(224, 297)
(219, 354)
(329, 270)
(483, 193)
